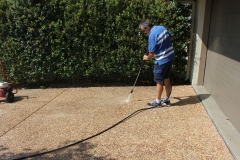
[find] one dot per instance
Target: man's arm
(171, 37)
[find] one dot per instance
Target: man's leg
(167, 86)
(159, 90)
(168, 92)
(159, 79)
(167, 81)
(157, 102)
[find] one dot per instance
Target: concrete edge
(227, 131)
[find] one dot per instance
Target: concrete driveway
(97, 123)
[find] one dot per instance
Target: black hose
(70, 145)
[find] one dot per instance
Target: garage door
(222, 72)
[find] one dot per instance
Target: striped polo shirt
(159, 42)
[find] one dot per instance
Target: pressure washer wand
(143, 62)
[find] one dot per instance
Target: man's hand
(149, 56)
(145, 57)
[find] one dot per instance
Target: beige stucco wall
(199, 37)
(200, 40)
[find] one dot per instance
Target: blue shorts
(162, 71)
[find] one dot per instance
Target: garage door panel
(224, 7)
(224, 35)
(222, 80)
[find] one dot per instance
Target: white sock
(166, 98)
(158, 101)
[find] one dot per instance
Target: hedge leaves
(89, 40)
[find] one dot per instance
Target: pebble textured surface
(111, 128)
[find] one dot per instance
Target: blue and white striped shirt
(159, 42)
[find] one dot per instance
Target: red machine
(7, 87)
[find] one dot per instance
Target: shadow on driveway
(184, 100)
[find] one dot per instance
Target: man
(160, 47)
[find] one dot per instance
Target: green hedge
(45, 41)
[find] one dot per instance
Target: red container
(7, 87)
(3, 92)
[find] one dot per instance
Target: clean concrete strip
(228, 132)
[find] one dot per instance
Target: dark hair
(145, 23)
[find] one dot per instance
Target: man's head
(146, 26)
